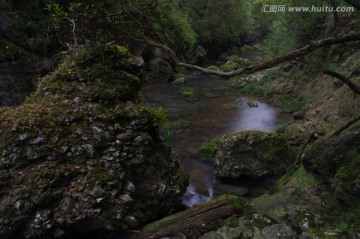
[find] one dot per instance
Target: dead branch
(355, 88)
(345, 126)
(263, 65)
(308, 140)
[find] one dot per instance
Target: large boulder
(80, 154)
(160, 70)
(252, 154)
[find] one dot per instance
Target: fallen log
(205, 213)
(312, 46)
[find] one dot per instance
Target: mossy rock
(332, 153)
(83, 154)
(252, 154)
(229, 66)
(241, 62)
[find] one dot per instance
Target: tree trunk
(266, 64)
(194, 217)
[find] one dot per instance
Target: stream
(213, 110)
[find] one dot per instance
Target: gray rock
(230, 189)
(80, 175)
(138, 61)
(160, 70)
(277, 231)
(179, 81)
(252, 154)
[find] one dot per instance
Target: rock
(211, 235)
(241, 62)
(327, 155)
(279, 231)
(138, 61)
(71, 169)
(230, 189)
(252, 154)
(160, 70)
(229, 66)
(200, 54)
(252, 103)
(179, 81)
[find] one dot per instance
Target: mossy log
(220, 207)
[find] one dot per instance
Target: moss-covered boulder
(81, 154)
(252, 154)
(328, 154)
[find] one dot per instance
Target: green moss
(210, 147)
(290, 105)
(238, 203)
(302, 179)
(241, 62)
(260, 88)
(188, 93)
(109, 94)
(351, 167)
(182, 71)
(213, 68)
(252, 103)
(229, 67)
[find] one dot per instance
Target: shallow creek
(213, 110)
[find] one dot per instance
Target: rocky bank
(82, 154)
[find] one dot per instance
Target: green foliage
(296, 27)
(173, 27)
(280, 128)
(165, 126)
(219, 23)
(160, 115)
(298, 178)
(188, 92)
(230, 66)
(210, 147)
(290, 105)
(260, 88)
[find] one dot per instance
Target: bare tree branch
(344, 127)
(265, 64)
(355, 88)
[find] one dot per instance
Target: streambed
(214, 109)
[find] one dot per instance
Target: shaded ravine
(214, 110)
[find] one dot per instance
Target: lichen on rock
(252, 154)
(81, 154)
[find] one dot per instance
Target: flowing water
(213, 110)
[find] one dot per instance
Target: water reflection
(262, 118)
(213, 111)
